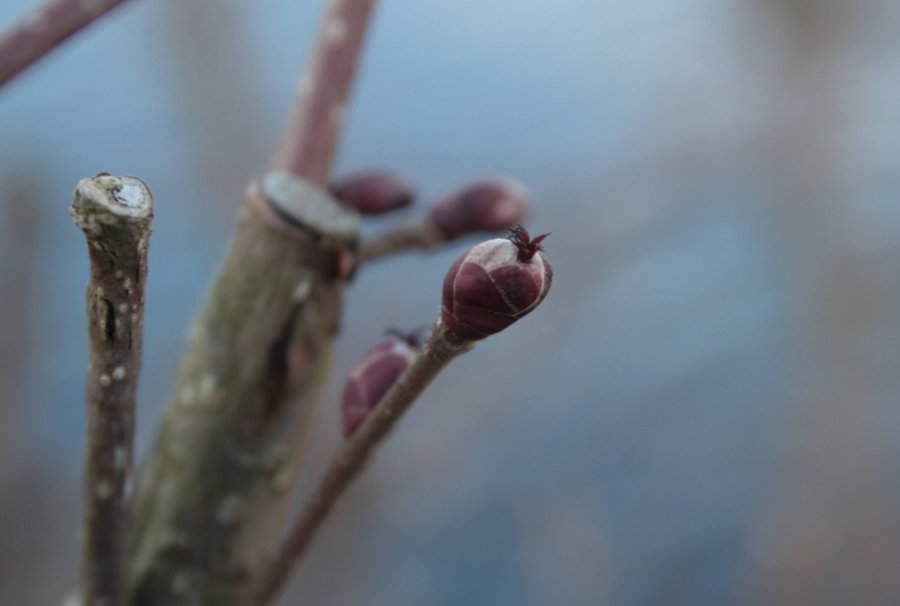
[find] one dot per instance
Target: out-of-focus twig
(417, 234)
(311, 134)
(43, 28)
(115, 214)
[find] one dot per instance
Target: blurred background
(706, 409)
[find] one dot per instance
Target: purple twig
(42, 28)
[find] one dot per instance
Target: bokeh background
(706, 409)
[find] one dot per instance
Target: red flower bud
(372, 378)
(484, 206)
(373, 192)
(494, 284)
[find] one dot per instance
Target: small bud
(495, 283)
(372, 378)
(483, 206)
(373, 192)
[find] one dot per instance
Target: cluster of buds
(487, 288)
(489, 205)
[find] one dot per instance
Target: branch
(310, 137)
(210, 499)
(353, 455)
(115, 214)
(487, 289)
(43, 28)
(419, 233)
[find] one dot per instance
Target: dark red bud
(483, 206)
(372, 378)
(490, 286)
(373, 192)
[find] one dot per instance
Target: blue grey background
(705, 410)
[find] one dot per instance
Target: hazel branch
(355, 453)
(488, 288)
(115, 215)
(310, 137)
(43, 28)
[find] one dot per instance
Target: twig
(115, 215)
(314, 125)
(215, 492)
(353, 455)
(419, 233)
(43, 28)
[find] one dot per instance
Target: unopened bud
(373, 192)
(482, 206)
(372, 378)
(495, 283)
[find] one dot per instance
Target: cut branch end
(109, 200)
